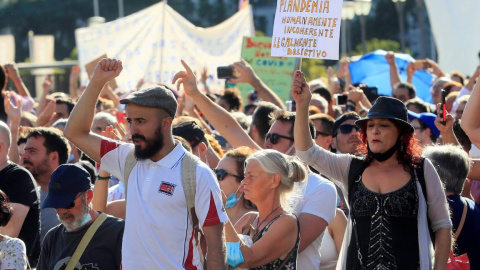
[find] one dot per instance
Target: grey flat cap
(155, 97)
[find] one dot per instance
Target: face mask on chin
(232, 200)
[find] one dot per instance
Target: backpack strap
(357, 166)
(84, 242)
(189, 183)
(421, 179)
(130, 162)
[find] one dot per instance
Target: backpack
(189, 182)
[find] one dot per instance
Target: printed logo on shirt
(167, 188)
(61, 264)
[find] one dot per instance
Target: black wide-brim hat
(388, 108)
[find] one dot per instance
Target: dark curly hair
(233, 98)
(409, 155)
(5, 209)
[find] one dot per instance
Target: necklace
(260, 223)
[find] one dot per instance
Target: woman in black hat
(388, 227)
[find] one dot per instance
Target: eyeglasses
(324, 134)
(221, 174)
(273, 137)
(418, 128)
(73, 203)
(347, 128)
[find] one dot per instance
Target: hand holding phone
(444, 108)
(341, 99)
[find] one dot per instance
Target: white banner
(152, 42)
(455, 28)
(308, 29)
(7, 48)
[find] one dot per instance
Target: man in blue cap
(425, 130)
(71, 194)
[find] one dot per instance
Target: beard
(37, 170)
(152, 145)
(76, 222)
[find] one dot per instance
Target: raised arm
(471, 81)
(301, 94)
(435, 68)
(394, 76)
(470, 120)
(80, 121)
(13, 74)
(73, 80)
(14, 115)
(410, 72)
(218, 117)
(42, 102)
(246, 74)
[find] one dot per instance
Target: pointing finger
(187, 68)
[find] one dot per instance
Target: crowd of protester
(382, 182)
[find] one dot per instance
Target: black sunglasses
(221, 174)
(273, 137)
(318, 132)
(346, 129)
(73, 203)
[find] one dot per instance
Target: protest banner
(7, 48)
(152, 42)
(276, 72)
(307, 28)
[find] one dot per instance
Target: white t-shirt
(158, 232)
(319, 198)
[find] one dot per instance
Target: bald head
(5, 136)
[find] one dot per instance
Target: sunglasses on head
(221, 174)
(73, 203)
(347, 128)
(273, 137)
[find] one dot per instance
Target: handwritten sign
(307, 28)
(276, 72)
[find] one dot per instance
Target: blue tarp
(372, 69)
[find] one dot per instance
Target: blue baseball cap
(427, 118)
(65, 183)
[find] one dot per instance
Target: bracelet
(103, 178)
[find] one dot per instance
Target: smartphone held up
(443, 107)
(226, 72)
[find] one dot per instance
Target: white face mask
(288, 152)
(200, 157)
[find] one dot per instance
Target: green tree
(378, 44)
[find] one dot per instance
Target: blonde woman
(269, 180)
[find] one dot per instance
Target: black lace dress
(291, 264)
(387, 228)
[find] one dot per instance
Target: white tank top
(328, 251)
